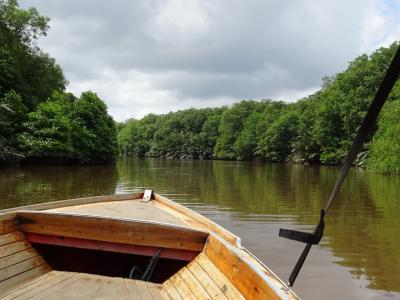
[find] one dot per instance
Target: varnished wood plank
(17, 257)
(9, 249)
(192, 218)
(27, 276)
(72, 202)
(181, 287)
(11, 237)
(60, 287)
(144, 290)
(206, 281)
(225, 286)
(170, 291)
(132, 289)
(31, 281)
(83, 286)
(154, 290)
(111, 288)
(129, 209)
(21, 267)
(242, 276)
(31, 290)
(113, 230)
(39, 279)
(193, 284)
(7, 222)
(178, 254)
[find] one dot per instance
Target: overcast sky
(165, 55)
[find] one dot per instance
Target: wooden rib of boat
(126, 247)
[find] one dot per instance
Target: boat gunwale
(224, 236)
(73, 202)
(210, 225)
(130, 220)
(124, 223)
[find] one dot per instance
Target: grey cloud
(194, 51)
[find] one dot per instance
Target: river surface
(358, 258)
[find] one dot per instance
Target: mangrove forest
(316, 129)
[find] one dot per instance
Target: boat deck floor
(24, 274)
(130, 209)
(71, 285)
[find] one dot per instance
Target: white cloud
(163, 55)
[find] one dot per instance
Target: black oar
(312, 239)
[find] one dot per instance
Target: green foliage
(70, 128)
(232, 122)
(24, 68)
(343, 101)
(24, 25)
(316, 129)
(276, 145)
(385, 147)
(94, 132)
(48, 131)
(12, 114)
(39, 120)
(190, 133)
(246, 142)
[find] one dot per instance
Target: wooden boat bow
(94, 242)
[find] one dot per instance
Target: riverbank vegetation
(39, 121)
(317, 129)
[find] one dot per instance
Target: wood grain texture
(9, 249)
(155, 290)
(7, 222)
(109, 288)
(192, 218)
(14, 258)
(15, 281)
(242, 276)
(72, 285)
(113, 230)
(196, 282)
(21, 267)
(11, 237)
(59, 288)
(181, 287)
(207, 282)
(223, 283)
(170, 291)
(30, 281)
(178, 254)
(144, 290)
(193, 284)
(39, 287)
(128, 209)
(132, 288)
(71, 202)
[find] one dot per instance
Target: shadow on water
(360, 254)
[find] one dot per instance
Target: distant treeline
(38, 121)
(317, 129)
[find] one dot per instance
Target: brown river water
(358, 258)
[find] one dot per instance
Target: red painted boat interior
(106, 258)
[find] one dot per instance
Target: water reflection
(35, 184)
(360, 254)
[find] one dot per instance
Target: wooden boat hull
(102, 241)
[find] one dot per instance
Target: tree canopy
(317, 129)
(38, 119)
